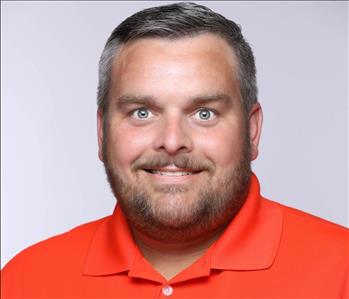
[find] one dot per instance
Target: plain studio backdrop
(52, 179)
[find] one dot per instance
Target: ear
(255, 120)
(100, 133)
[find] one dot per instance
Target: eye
(205, 114)
(141, 114)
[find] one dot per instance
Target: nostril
(174, 138)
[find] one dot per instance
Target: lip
(171, 179)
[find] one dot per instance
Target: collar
(250, 241)
(112, 249)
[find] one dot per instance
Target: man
(178, 126)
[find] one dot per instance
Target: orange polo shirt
(267, 251)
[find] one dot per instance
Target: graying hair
(176, 21)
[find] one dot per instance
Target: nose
(173, 136)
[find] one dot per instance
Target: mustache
(181, 161)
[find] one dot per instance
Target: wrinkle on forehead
(206, 45)
(202, 57)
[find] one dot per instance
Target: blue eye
(141, 113)
(205, 114)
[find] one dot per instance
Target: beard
(177, 212)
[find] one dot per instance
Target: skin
(189, 90)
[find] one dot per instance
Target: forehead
(158, 66)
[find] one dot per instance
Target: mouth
(172, 172)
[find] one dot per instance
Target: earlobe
(100, 133)
(255, 128)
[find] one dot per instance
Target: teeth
(171, 173)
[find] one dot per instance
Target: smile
(170, 173)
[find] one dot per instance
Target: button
(167, 290)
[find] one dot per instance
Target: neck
(170, 259)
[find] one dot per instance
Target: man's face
(176, 145)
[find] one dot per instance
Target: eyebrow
(211, 98)
(194, 101)
(133, 99)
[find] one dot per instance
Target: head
(178, 120)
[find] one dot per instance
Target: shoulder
(311, 234)
(66, 248)
(300, 219)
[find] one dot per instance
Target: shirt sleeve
(345, 292)
(11, 280)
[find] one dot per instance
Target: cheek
(223, 146)
(126, 144)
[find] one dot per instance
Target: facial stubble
(166, 213)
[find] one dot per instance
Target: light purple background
(52, 179)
